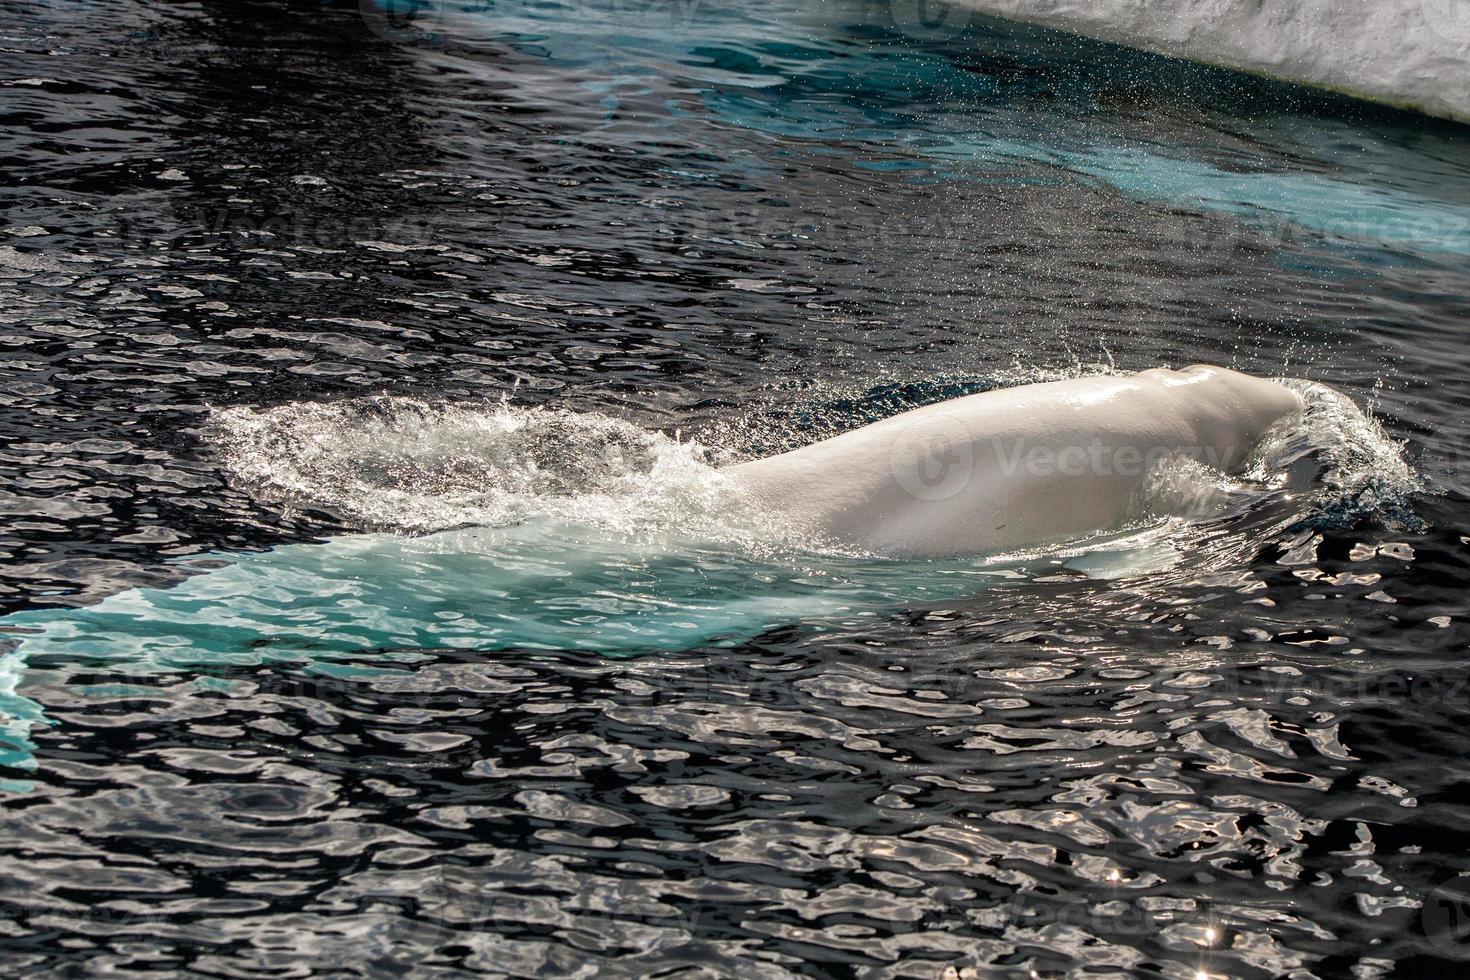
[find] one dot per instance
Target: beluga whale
(1016, 468)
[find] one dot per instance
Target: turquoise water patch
(534, 586)
(367, 602)
(990, 96)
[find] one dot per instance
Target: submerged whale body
(1016, 467)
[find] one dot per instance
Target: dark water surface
(640, 225)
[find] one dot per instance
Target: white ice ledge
(1409, 53)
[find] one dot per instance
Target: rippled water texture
(373, 604)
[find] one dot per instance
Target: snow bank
(1409, 53)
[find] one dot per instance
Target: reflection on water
(268, 272)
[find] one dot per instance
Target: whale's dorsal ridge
(1053, 460)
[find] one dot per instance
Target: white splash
(1363, 468)
(410, 465)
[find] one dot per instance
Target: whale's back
(1016, 467)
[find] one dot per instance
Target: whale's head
(1231, 411)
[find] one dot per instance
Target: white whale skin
(1015, 467)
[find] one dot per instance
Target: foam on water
(409, 465)
(1365, 468)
